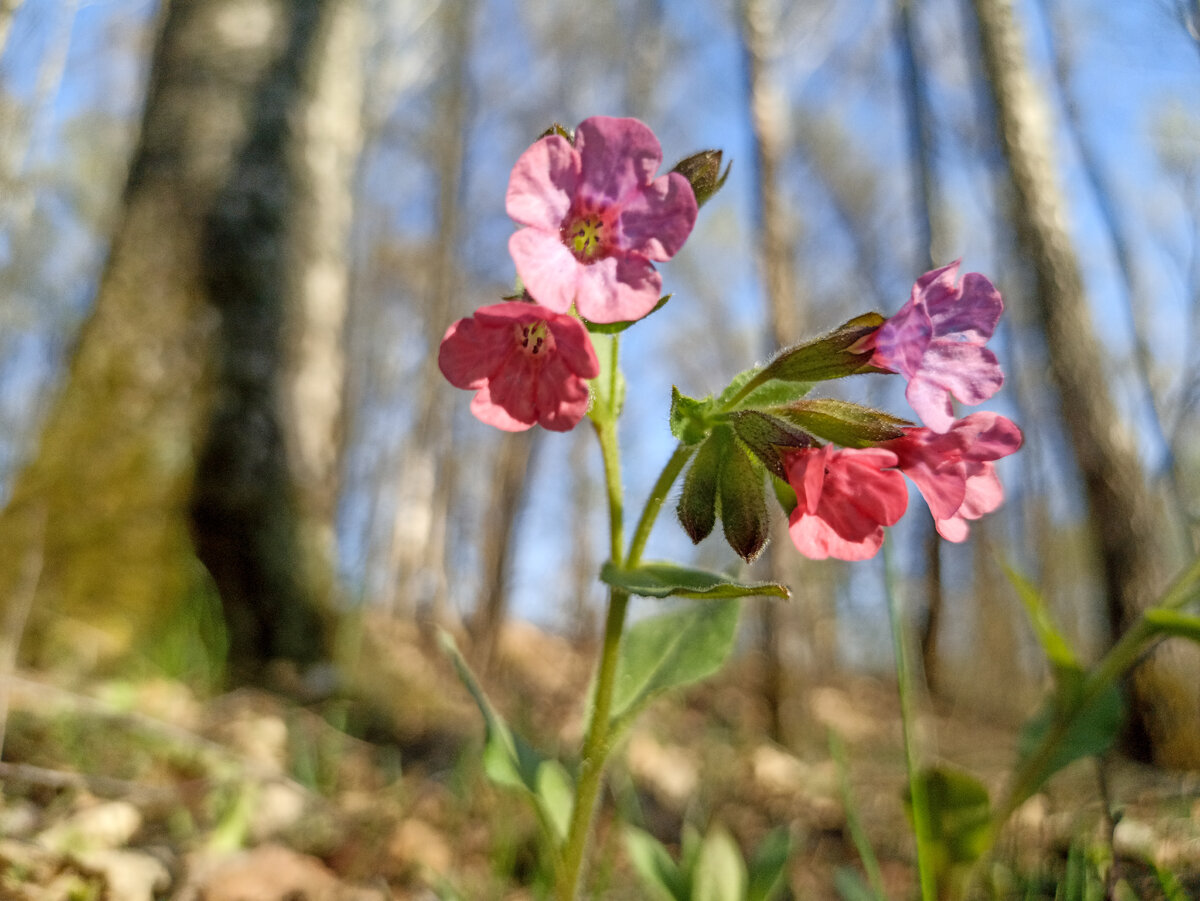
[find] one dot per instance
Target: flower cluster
(936, 340)
(595, 220)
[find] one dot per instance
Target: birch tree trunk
(1165, 703)
(198, 420)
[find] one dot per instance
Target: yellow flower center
(534, 338)
(584, 236)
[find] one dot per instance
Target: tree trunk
(1165, 722)
(203, 397)
(784, 627)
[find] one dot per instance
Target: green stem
(595, 750)
(597, 743)
(658, 495)
(922, 830)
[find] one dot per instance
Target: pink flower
(844, 498)
(596, 219)
(527, 365)
(937, 341)
(954, 470)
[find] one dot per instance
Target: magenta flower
(937, 341)
(954, 470)
(596, 219)
(526, 364)
(844, 498)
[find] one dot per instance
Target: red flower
(844, 498)
(954, 471)
(527, 365)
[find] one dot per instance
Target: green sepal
(613, 328)
(843, 422)
(772, 394)
(743, 506)
(664, 580)
(736, 385)
(784, 493)
(697, 507)
(703, 172)
(831, 356)
(690, 421)
(768, 437)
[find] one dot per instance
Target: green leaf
(1062, 657)
(828, 357)
(508, 760)
(659, 873)
(690, 421)
(850, 886)
(768, 869)
(960, 817)
(1174, 623)
(664, 580)
(556, 796)
(697, 507)
(768, 438)
(671, 650)
(720, 873)
(743, 505)
(843, 422)
(1077, 730)
(615, 328)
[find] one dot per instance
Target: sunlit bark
(1126, 527)
(203, 396)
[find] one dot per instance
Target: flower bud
(703, 171)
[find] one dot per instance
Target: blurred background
(233, 232)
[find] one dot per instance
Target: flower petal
(900, 342)
(617, 289)
(490, 413)
(562, 396)
(972, 312)
(574, 346)
(931, 403)
(513, 388)
(816, 539)
(543, 184)
(470, 352)
(547, 268)
(657, 220)
(617, 156)
(968, 371)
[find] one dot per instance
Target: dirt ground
(143, 791)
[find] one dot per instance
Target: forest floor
(138, 791)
